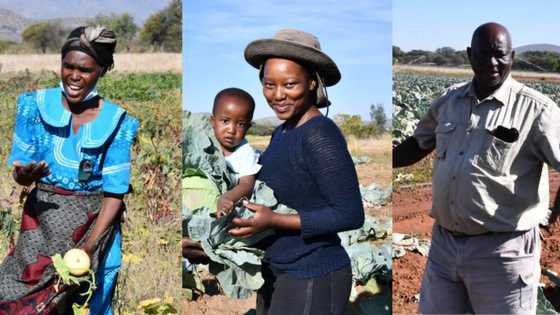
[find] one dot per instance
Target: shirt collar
(95, 133)
(501, 94)
(242, 143)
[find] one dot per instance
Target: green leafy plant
(157, 306)
(65, 277)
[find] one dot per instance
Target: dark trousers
(283, 294)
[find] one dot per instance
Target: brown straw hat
(296, 45)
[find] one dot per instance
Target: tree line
(349, 124)
(354, 125)
(160, 32)
(543, 61)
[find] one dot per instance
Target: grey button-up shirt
(489, 179)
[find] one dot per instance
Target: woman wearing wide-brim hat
(308, 166)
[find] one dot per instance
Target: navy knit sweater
(310, 170)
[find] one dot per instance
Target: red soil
(410, 215)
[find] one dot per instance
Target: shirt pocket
(443, 131)
(495, 154)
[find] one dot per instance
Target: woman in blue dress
(73, 147)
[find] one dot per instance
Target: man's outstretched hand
(193, 251)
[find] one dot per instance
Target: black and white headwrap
(96, 41)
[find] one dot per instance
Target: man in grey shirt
(493, 137)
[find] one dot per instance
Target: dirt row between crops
(410, 215)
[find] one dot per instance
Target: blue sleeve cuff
(326, 220)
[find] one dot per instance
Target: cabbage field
(412, 94)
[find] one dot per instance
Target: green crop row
(412, 95)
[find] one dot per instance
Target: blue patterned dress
(96, 158)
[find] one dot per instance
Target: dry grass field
(378, 149)
(144, 63)
(259, 142)
(378, 169)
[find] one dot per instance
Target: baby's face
(230, 121)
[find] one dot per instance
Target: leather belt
(65, 192)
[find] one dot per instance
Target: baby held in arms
(231, 118)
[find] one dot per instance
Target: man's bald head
(488, 31)
(491, 57)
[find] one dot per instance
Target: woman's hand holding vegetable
(263, 219)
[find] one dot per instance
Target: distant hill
(13, 24)
(535, 57)
(271, 121)
(538, 47)
(338, 119)
(68, 22)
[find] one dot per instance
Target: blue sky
(436, 23)
(46, 9)
(356, 34)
